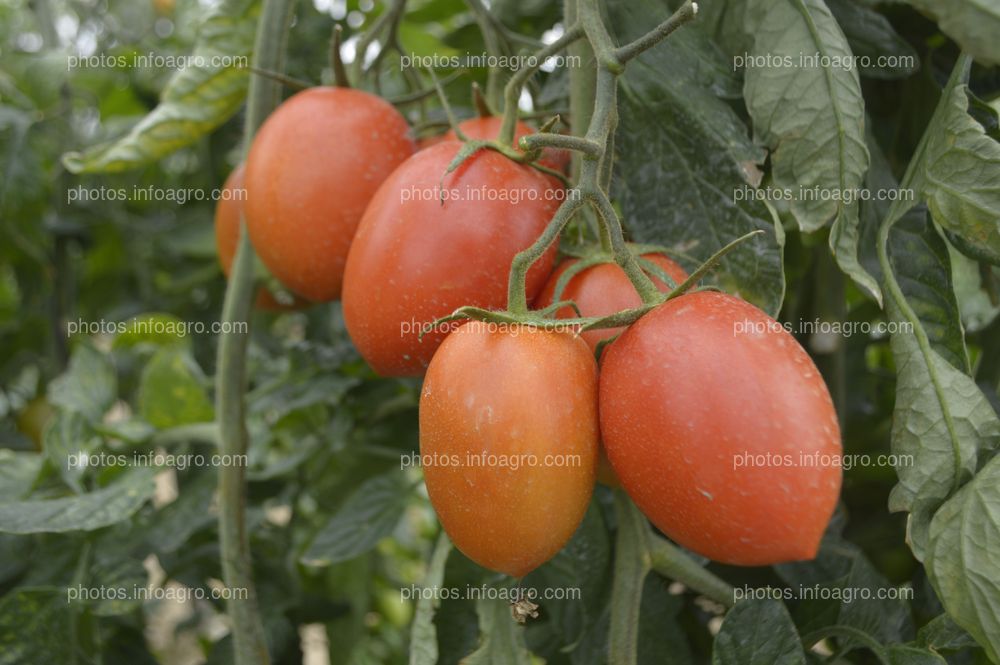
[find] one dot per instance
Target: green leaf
(423, 635)
(852, 237)
(940, 424)
(872, 38)
(196, 100)
(67, 441)
(367, 516)
(18, 472)
(974, 24)
(35, 628)
(758, 632)
(958, 172)
(85, 512)
(942, 634)
(810, 117)
(118, 577)
(963, 557)
(922, 266)
(181, 518)
(501, 638)
(904, 654)
(172, 390)
(920, 261)
(943, 424)
(88, 387)
(684, 160)
(831, 590)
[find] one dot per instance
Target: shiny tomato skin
(489, 128)
(697, 418)
(603, 289)
(311, 171)
(227, 237)
(517, 396)
(414, 261)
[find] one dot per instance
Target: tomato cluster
(519, 421)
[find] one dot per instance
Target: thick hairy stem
(517, 300)
(632, 564)
(623, 255)
(671, 561)
(582, 80)
(249, 645)
(536, 141)
(685, 13)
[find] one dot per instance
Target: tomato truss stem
(596, 147)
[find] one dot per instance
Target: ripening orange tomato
(720, 428)
(508, 440)
(416, 258)
(311, 171)
(603, 289)
(489, 128)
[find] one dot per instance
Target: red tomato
(603, 289)
(227, 236)
(313, 167)
(722, 431)
(415, 259)
(489, 128)
(508, 440)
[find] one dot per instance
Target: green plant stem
(493, 47)
(340, 78)
(632, 564)
(595, 169)
(537, 141)
(512, 91)
(671, 561)
(517, 299)
(582, 80)
(685, 13)
(249, 644)
(388, 19)
(638, 551)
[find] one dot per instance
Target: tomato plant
(800, 405)
(429, 244)
(508, 440)
(310, 173)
